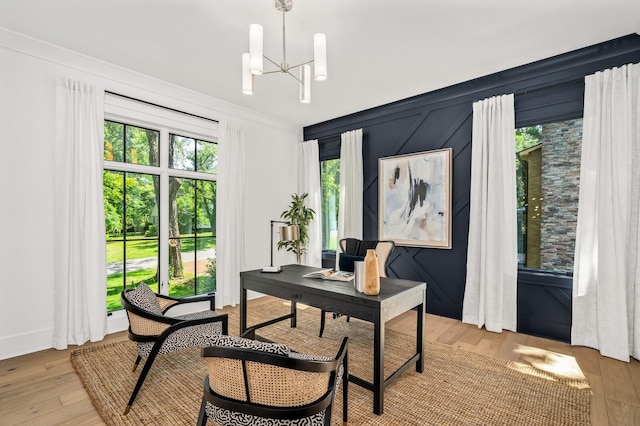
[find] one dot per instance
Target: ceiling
(378, 51)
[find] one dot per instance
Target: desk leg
(420, 337)
(243, 308)
(294, 314)
(378, 366)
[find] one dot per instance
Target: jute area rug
(457, 387)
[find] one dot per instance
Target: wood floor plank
(32, 410)
(14, 374)
(73, 397)
(472, 334)
(452, 334)
(622, 413)
(507, 348)
(598, 413)
(486, 347)
(618, 387)
(434, 328)
(57, 381)
(634, 368)
(75, 414)
(589, 359)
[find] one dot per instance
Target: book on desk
(330, 274)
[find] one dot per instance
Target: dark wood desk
(396, 297)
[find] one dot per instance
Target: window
(192, 242)
(160, 197)
(547, 185)
(330, 171)
(132, 232)
(192, 154)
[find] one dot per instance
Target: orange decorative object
(371, 274)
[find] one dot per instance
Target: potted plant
(301, 215)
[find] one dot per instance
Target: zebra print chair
(252, 382)
(157, 333)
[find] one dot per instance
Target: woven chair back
(144, 326)
(268, 384)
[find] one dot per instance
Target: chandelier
(252, 62)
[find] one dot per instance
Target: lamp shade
(247, 77)
(320, 56)
(305, 84)
(255, 48)
(289, 233)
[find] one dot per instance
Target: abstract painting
(415, 199)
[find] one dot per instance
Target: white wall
(29, 71)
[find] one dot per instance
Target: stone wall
(561, 145)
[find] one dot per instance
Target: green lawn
(114, 285)
(137, 248)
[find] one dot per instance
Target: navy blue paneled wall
(547, 90)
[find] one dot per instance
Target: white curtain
(230, 214)
(80, 268)
(309, 183)
(606, 289)
(351, 185)
(492, 264)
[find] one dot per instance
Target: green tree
(206, 202)
(330, 194)
(113, 196)
(113, 141)
(526, 137)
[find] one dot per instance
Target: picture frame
(415, 199)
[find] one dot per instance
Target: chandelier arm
(280, 68)
(293, 76)
(284, 43)
(298, 66)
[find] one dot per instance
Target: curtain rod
(161, 106)
(565, 82)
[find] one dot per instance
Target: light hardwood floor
(43, 389)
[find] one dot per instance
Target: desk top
(291, 277)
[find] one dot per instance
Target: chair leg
(135, 365)
(321, 323)
(143, 375)
(202, 417)
(345, 390)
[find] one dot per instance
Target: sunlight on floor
(298, 305)
(548, 365)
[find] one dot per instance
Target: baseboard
(41, 340)
(26, 343)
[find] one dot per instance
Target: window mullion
(163, 253)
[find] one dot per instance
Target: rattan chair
(252, 382)
(353, 249)
(157, 333)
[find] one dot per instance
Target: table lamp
(287, 232)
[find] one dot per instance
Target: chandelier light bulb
(305, 85)
(320, 56)
(247, 77)
(255, 48)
